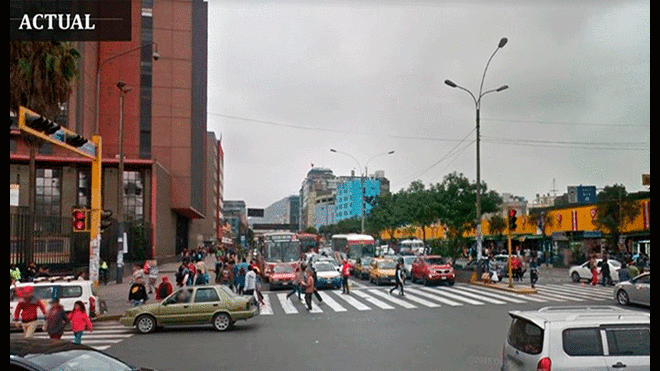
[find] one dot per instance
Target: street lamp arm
(503, 87)
(483, 77)
(346, 154)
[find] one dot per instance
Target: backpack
(162, 290)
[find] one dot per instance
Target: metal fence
(49, 241)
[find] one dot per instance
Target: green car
(193, 305)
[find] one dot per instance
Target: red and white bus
(279, 247)
(309, 242)
(354, 246)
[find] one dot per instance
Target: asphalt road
(467, 335)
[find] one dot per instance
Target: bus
(309, 242)
(279, 247)
(413, 246)
(354, 246)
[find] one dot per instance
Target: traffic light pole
(95, 228)
(36, 125)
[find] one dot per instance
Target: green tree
(497, 225)
(387, 214)
(614, 210)
(457, 197)
(421, 208)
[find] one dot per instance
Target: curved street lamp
(477, 104)
(362, 177)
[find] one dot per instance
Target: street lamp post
(123, 90)
(477, 103)
(362, 179)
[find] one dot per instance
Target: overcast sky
(289, 80)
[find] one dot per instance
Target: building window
(48, 192)
(84, 188)
(133, 196)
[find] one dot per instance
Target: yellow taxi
(362, 267)
(382, 270)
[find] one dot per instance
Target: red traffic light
(512, 213)
(79, 222)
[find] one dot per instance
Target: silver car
(578, 338)
(635, 291)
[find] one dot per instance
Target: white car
(582, 272)
(571, 338)
(407, 264)
(635, 291)
(67, 289)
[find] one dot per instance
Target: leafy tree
(421, 206)
(387, 214)
(458, 212)
(497, 225)
(614, 210)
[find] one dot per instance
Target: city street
(431, 328)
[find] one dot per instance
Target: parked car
(282, 276)
(193, 305)
(635, 291)
(35, 354)
(362, 267)
(382, 270)
(578, 338)
(66, 288)
(327, 275)
(582, 271)
(407, 264)
(432, 269)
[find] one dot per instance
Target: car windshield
(324, 267)
(286, 268)
(408, 259)
(434, 261)
(387, 265)
(78, 359)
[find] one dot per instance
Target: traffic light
(75, 140)
(512, 219)
(105, 219)
(80, 222)
(41, 124)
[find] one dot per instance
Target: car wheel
(575, 276)
(145, 324)
(622, 297)
(221, 321)
(451, 283)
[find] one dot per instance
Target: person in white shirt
(250, 282)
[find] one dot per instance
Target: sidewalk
(116, 294)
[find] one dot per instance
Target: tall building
(172, 166)
(318, 182)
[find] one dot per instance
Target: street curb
(514, 289)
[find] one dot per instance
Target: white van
(67, 289)
(578, 338)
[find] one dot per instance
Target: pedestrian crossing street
(366, 298)
(104, 335)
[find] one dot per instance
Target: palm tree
(41, 77)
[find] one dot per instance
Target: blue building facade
(348, 202)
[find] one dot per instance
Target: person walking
(316, 290)
(594, 271)
(27, 309)
(533, 270)
(309, 288)
(202, 278)
(164, 289)
(240, 280)
(605, 272)
(298, 284)
(137, 294)
(182, 274)
(79, 321)
(624, 273)
(345, 273)
(56, 319)
(103, 272)
(250, 282)
(398, 277)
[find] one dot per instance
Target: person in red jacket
(164, 289)
(345, 273)
(27, 309)
(79, 321)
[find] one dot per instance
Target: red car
(432, 269)
(283, 275)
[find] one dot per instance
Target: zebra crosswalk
(367, 298)
(103, 336)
